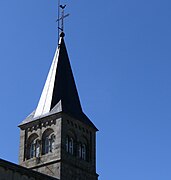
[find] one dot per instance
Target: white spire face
(46, 97)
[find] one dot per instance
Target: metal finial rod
(58, 17)
(63, 16)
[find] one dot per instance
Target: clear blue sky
(120, 52)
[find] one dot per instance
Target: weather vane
(61, 9)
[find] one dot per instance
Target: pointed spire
(60, 85)
(60, 93)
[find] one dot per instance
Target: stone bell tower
(58, 139)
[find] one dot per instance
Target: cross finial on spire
(61, 19)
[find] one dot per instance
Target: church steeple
(58, 139)
(60, 93)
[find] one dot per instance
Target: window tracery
(33, 145)
(70, 145)
(48, 141)
(82, 151)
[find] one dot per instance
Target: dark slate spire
(64, 84)
(60, 93)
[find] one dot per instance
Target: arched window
(33, 145)
(82, 151)
(69, 145)
(48, 141)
